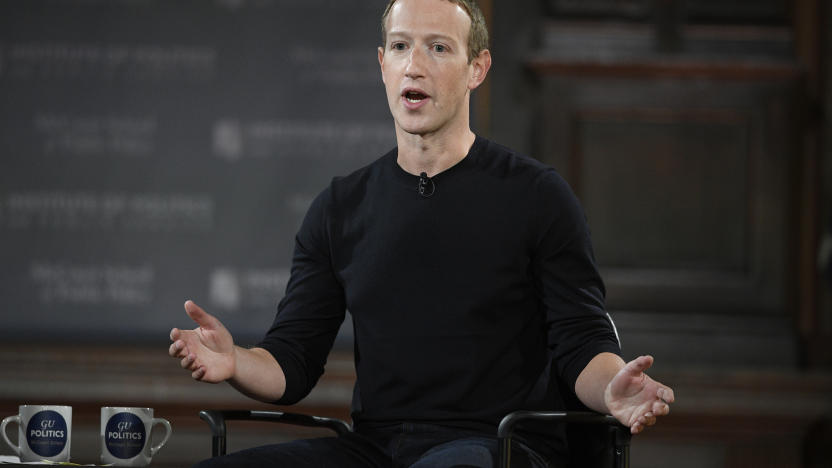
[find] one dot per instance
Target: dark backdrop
(155, 151)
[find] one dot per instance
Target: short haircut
(477, 36)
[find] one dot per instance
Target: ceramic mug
(125, 435)
(44, 432)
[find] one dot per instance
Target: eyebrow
(429, 36)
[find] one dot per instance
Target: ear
(480, 66)
(381, 61)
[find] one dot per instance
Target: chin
(416, 128)
(418, 131)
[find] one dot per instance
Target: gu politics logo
(46, 433)
(124, 435)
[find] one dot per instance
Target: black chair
(595, 440)
(606, 445)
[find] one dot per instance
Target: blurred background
(158, 151)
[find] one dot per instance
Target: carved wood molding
(690, 69)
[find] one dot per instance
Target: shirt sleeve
(568, 281)
(312, 310)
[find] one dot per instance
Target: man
(468, 272)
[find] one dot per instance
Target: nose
(415, 63)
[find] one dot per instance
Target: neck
(432, 153)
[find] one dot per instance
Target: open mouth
(414, 96)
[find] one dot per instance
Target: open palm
(634, 398)
(208, 350)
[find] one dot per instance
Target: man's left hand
(634, 398)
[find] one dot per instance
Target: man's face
(424, 66)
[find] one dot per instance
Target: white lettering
(124, 435)
(47, 433)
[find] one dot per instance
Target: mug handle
(6, 421)
(164, 422)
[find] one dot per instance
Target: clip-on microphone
(426, 185)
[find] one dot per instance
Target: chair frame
(620, 434)
(216, 420)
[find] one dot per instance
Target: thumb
(639, 365)
(202, 318)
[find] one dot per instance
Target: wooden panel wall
(684, 127)
(685, 184)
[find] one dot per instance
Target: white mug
(45, 432)
(125, 435)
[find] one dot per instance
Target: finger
(666, 394)
(636, 428)
(178, 349)
(175, 333)
(198, 315)
(173, 351)
(646, 420)
(198, 374)
(660, 408)
(188, 361)
(639, 364)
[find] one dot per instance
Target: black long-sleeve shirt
(460, 300)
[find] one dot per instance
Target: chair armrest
(216, 421)
(620, 433)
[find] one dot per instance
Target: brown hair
(477, 36)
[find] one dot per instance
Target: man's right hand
(207, 351)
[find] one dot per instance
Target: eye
(439, 48)
(397, 46)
